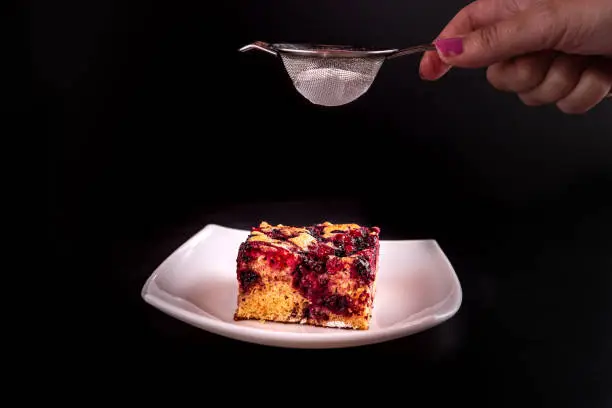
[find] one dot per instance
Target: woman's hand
(546, 51)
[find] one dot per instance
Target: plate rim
(344, 338)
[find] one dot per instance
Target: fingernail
(449, 46)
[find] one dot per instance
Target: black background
(157, 125)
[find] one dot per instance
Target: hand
(546, 51)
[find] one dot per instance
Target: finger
(473, 16)
(594, 85)
(538, 28)
(521, 74)
(560, 80)
(432, 67)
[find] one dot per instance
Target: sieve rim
(331, 50)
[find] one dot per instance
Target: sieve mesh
(329, 81)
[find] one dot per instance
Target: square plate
(417, 288)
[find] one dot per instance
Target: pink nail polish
(449, 46)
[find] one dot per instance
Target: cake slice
(321, 275)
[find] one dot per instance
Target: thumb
(535, 29)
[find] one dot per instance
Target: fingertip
(432, 67)
(425, 69)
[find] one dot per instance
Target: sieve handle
(258, 45)
(413, 50)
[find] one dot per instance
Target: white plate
(417, 288)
